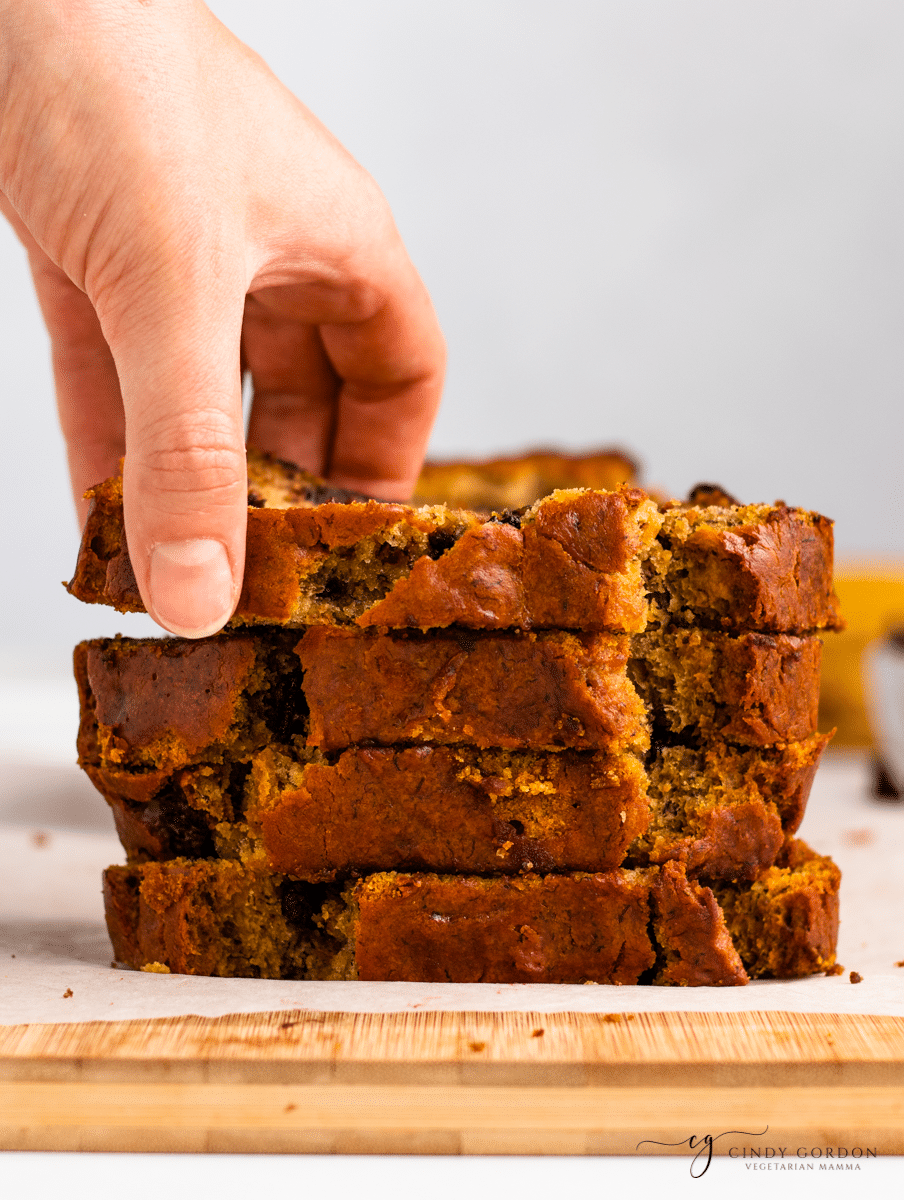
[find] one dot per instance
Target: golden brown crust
(121, 909)
(478, 582)
(696, 947)
(539, 691)
(749, 567)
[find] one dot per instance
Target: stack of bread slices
(569, 743)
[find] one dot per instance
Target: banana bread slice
(744, 567)
(651, 925)
(516, 481)
(572, 560)
(225, 919)
(722, 811)
(446, 809)
(163, 703)
(577, 559)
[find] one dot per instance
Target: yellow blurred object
(872, 603)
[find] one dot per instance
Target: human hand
(181, 208)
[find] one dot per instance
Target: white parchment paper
(56, 836)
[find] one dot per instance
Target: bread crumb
(897, 964)
(859, 837)
(835, 969)
(67, 993)
(40, 839)
(538, 1033)
(477, 1046)
(856, 977)
(156, 968)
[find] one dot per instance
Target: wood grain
(451, 1083)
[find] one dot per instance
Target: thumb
(176, 349)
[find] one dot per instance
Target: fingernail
(191, 586)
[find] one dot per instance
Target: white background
(675, 226)
(229, 1177)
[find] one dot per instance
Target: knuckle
(185, 461)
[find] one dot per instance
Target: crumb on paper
(40, 839)
(856, 977)
(538, 1033)
(835, 969)
(897, 964)
(859, 837)
(156, 968)
(67, 993)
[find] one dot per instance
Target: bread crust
(747, 567)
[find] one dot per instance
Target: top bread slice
(580, 558)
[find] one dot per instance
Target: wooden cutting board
(458, 1083)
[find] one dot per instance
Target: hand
(183, 213)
